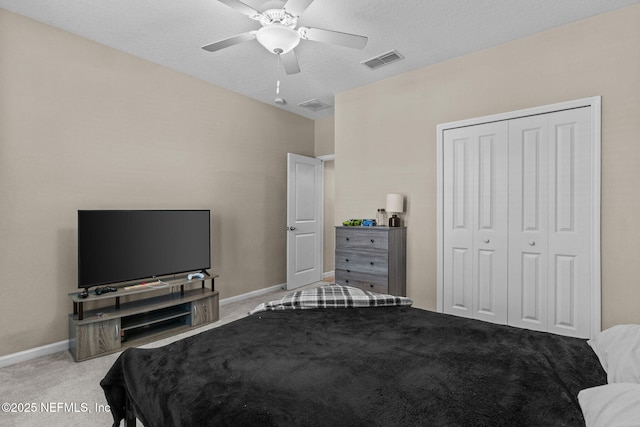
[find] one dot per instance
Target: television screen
(119, 246)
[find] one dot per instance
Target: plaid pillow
(332, 296)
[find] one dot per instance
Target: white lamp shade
(395, 203)
(278, 38)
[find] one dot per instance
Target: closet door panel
(532, 306)
(491, 208)
(528, 221)
(475, 221)
(458, 222)
(570, 176)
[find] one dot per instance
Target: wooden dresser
(372, 258)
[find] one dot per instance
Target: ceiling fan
(279, 34)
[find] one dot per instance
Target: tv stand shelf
(113, 328)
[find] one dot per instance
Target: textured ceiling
(171, 32)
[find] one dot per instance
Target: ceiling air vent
(314, 105)
(384, 59)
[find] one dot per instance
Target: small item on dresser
(352, 222)
(368, 223)
(381, 217)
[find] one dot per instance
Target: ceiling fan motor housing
(278, 16)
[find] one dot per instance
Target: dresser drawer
(361, 238)
(369, 262)
(366, 281)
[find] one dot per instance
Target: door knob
(532, 243)
(486, 240)
(290, 228)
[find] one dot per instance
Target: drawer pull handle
(372, 240)
(346, 281)
(348, 271)
(371, 263)
(347, 260)
(347, 239)
(371, 285)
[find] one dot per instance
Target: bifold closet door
(475, 221)
(550, 206)
(528, 218)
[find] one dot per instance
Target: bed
(375, 363)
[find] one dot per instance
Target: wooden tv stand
(108, 329)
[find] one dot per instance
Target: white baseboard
(252, 294)
(12, 359)
(264, 291)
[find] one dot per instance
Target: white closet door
(528, 221)
(475, 221)
(570, 222)
(519, 218)
(550, 181)
(459, 152)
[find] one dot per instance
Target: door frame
(595, 103)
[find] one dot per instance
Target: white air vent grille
(314, 105)
(384, 59)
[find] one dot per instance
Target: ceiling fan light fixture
(278, 38)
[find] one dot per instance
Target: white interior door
(304, 220)
(475, 221)
(459, 151)
(528, 222)
(491, 223)
(550, 222)
(570, 222)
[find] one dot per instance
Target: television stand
(175, 307)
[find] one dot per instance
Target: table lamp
(395, 205)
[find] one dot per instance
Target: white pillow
(611, 405)
(618, 349)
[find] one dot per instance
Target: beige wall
(83, 126)
(390, 127)
(324, 136)
(325, 145)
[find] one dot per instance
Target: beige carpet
(56, 391)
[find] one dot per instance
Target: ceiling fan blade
(290, 62)
(297, 7)
(334, 37)
(242, 8)
(221, 44)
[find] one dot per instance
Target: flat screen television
(126, 245)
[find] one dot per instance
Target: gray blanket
(384, 366)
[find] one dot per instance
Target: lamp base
(394, 221)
